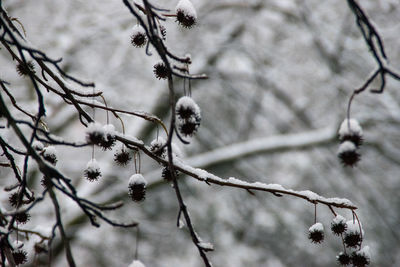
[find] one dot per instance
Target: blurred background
(276, 68)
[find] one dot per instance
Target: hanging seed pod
(25, 69)
(348, 154)
(316, 233)
(338, 225)
(186, 14)
(50, 154)
(138, 37)
(350, 130)
(108, 140)
(92, 171)
(137, 187)
(94, 133)
(122, 156)
(161, 71)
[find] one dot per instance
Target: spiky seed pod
(92, 171)
(94, 133)
(38, 146)
(137, 187)
(13, 199)
(350, 130)
(22, 217)
(348, 154)
(353, 235)
(20, 256)
(186, 108)
(316, 233)
(161, 71)
(343, 259)
(186, 14)
(50, 154)
(25, 69)
(166, 174)
(108, 140)
(138, 37)
(156, 147)
(122, 156)
(338, 225)
(361, 258)
(188, 127)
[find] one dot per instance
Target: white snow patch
(138, 29)
(137, 263)
(109, 129)
(353, 227)
(206, 246)
(187, 8)
(95, 127)
(93, 166)
(50, 151)
(339, 219)
(355, 128)
(37, 145)
(365, 251)
(346, 146)
(316, 227)
(137, 179)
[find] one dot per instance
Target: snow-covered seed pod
(138, 37)
(350, 130)
(94, 133)
(161, 71)
(122, 156)
(186, 14)
(22, 217)
(25, 69)
(338, 225)
(343, 259)
(50, 154)
(38, 146)
(136, 263)
(137, 187)
(92, 171)
(156, 147)
(348, 154)
(108, 140)
(188, 127)
(353, 235)
(361, 258)
(188, 116)
(186, 108)
(20, 256)
(316, 233)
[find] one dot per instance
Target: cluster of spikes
(188, 116)
(351, 234)
(351, 139)
(185, 15)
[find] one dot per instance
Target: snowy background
(276, 68)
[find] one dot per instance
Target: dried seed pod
(20, 256)
(138, 37)
(25, 69)
(348, 154)
(108, 140)
(343, 259)
(22, 217)
(353, 235)
(137, 187)
(316, 233)
(161, 71)
(122, 156)
(50, 154)
(94, 133)
(350, 130)
(361, 258)
(186, 14)
(92, 171)
(338, 225)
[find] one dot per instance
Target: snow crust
(137, 263)
(187, 8)
(137, 29)
(355, 128)
(187, 102)
(353, 227)
(339, 219)
(37, 145)
(206, 246)
(95, 127)
(316, 227)
(50, 151)
(93, 166)
(137, 179)
(346, 146)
